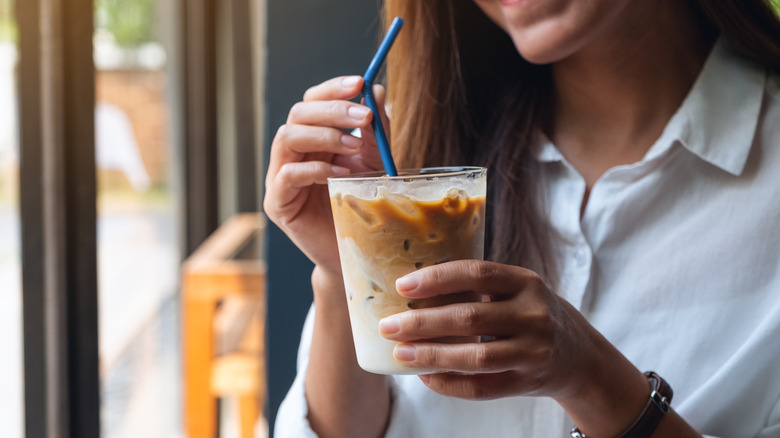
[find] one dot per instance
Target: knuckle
(272, 210)
(483, 359)
(268, 206)
(542, 318)
(469, 316)
(336, 108)
(282, 133)
(413, 322)
(295, 112)
(284, 175)
(430, 355)
(327, 136)
(535, 283)
(307, 95)
(475, 391)
(482, 269)
(269, 187)
(545, 354)
(436, 384)
(273, 213)
(533, 384)
(535, 279)
(435, 276)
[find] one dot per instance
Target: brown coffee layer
(394, 235)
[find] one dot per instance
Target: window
(138, 128)
(11, 406)
(138, 228)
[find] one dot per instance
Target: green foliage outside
(776, 4)
(7, 25)
(129, 21)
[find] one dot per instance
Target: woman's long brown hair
(462, 95)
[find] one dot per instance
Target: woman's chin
(539, 46)
(537, 54)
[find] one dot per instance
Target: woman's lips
(513, 2)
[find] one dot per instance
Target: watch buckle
(659, 401)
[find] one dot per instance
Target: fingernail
(425, 378)
(350, 141)
(338, 170)
(358, 112)
(390, 325)
(350, 81)
(405, 352)
(407, 283)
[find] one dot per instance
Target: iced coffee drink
(388, 227)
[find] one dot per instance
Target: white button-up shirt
(676, 261)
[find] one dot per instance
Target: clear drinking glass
(388, 227)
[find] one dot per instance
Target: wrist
(608, 394)
(656, 407)
(330, 299)
(326, 284)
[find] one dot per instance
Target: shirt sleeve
(772, 429)
(291, 419)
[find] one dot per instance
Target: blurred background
(141, 294)
(183, 99)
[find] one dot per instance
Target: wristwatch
(658, 404)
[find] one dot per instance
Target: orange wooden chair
(223, 327)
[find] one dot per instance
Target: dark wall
(309, 41)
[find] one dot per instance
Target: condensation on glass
(11, 374)
(138, 243)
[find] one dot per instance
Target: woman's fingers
(303, 139)
(488, 357)
(321, 125)
(292, 142)
(464, 319)
(336, 113)
(478, 386)
(461, 275)
(292, 177)
(338, 88)
(327, 104)
(304, 174)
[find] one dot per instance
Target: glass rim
(414, 173)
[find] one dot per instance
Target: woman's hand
(539, 345)
(313, 145)
(534, 340)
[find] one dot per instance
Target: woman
(633, 209)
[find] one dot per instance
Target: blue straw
(368, 95)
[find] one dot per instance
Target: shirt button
(580, 258)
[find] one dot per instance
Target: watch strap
(657, 405)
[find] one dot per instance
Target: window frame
(58, 218)
(58, 188)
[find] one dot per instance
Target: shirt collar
(546, 152)
(717, 120)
